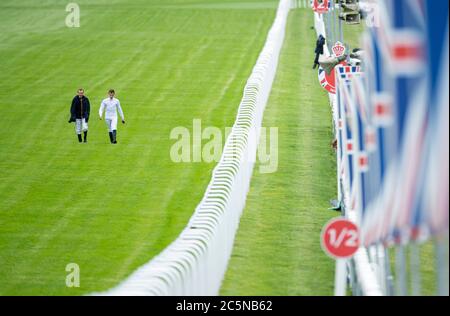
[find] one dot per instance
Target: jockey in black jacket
(79, 113)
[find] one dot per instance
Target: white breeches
(80, 125)
(111, 123)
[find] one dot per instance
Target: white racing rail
(195, 263)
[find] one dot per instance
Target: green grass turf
(109, 208)
(277, 249)
(351, 32)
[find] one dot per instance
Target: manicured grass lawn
(351, 32)
(109, 208)
(277, 249)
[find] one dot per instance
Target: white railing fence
(195, 263)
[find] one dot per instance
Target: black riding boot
(114, 136)
(79, 138)
(85, 136)
(111, 137)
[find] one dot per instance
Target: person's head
(111, 93)
(80, 92)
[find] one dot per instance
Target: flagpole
(414, 262)
(330, 18)
(353, 278)
(442, 262)
(330, 41)
(400, 271)
(340, 278)
(389, 276)
(381, 268)
(338, 140)
(341, 32)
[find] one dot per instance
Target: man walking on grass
(79, 113)
(111, 105)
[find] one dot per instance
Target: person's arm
(100, 111)
(88, 109)
(72, 111)
(119, 108)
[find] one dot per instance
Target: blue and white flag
(404, 123)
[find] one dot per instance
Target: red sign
(320, 6)
(340, 238)
(328, 81)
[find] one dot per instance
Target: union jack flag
(344, 140)
(436, 185)
(347, 72)
(405, 86)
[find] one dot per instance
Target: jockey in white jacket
(111, 105)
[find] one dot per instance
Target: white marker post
(340, 278)
(340, 241)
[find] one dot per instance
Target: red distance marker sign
(320, 7)
(340, 238)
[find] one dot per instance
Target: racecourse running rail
(195, 263)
